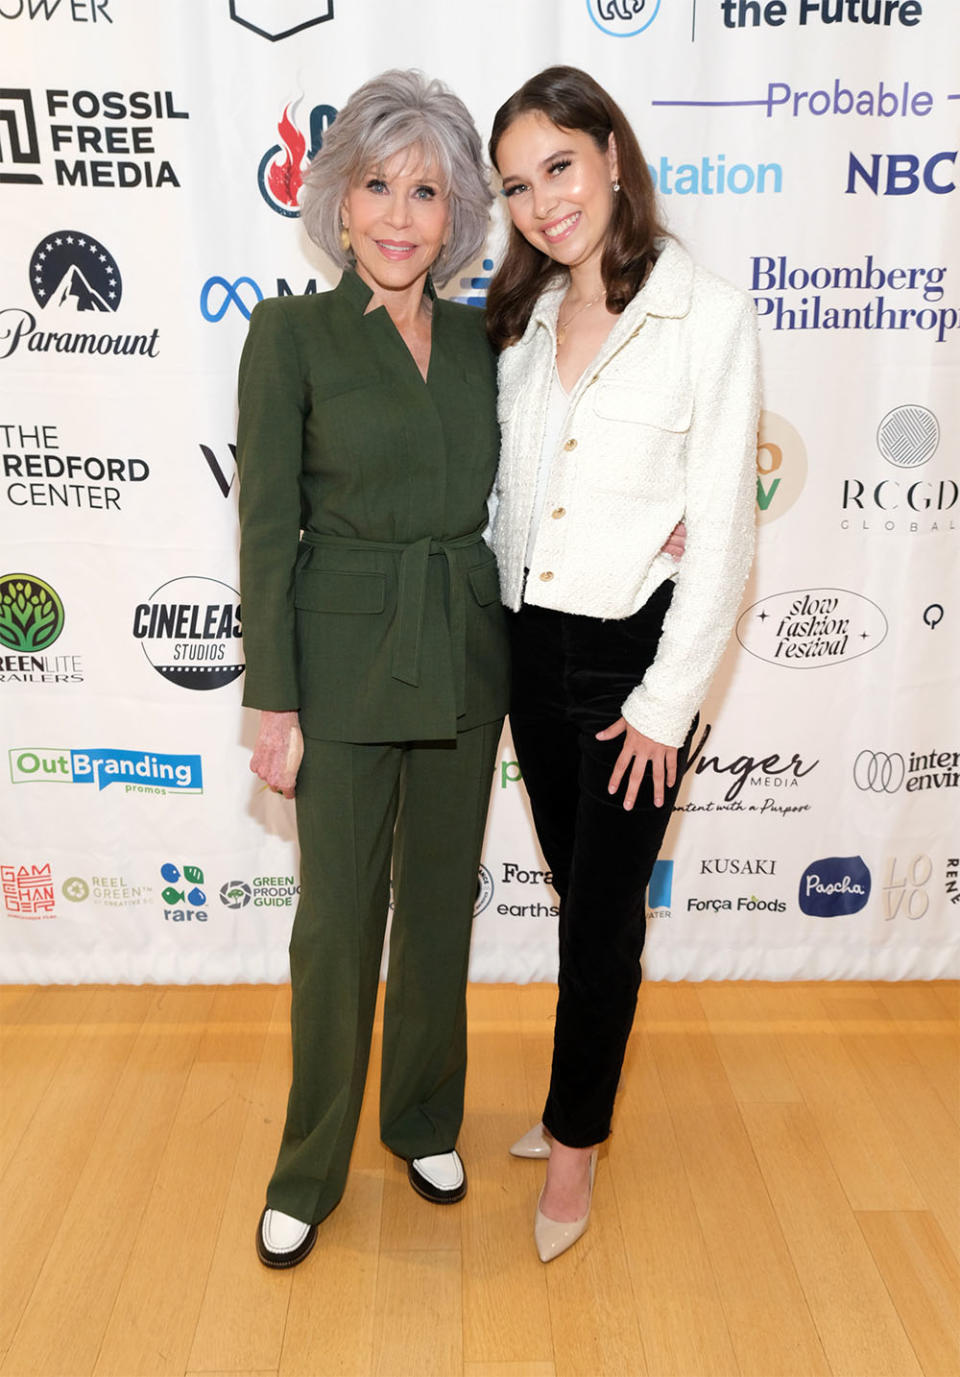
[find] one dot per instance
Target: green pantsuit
(370, 604)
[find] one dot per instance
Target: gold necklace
(562, 329)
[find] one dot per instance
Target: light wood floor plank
(101, 1220)
(749, 1050)
(417, 1326)
(851, 1125)
(242, 1314)
(922, 1276)
(506, 1312)
(857, 1322)
(931, 1036)
(43, 1174)
(155, 1315)
(509, 1370)
(678, 1305)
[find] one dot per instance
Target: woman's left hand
(676, 541)
(638, 751)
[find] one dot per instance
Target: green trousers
(424, 806)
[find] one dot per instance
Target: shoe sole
(440, 1197)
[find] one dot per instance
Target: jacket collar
(352, 289)
(666, 292)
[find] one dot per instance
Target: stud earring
(616, 184)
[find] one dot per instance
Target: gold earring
(344, 239)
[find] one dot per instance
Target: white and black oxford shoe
(440, 1178)
(283, 1241)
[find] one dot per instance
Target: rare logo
(623, 18)
(31, 613)
(192, 875)
(834, 886)
(189, 631)
(281, 177)
(74, 272)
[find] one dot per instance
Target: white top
(662, 425)
(557, 403)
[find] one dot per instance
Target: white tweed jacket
(662, 425)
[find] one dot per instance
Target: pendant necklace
(562, 329)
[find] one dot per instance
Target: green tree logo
(31, 613)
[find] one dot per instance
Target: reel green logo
(31, 613)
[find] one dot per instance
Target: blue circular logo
(623, 18)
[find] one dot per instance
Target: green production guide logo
(31, 613)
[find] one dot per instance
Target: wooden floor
(781, 1197)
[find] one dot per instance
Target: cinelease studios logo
(280, 174)
(189, 631)
(75, 280)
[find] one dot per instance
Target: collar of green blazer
(353, 287)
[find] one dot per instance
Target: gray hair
(396, 111)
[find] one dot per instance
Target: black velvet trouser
(571, 675)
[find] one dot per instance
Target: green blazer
(382, 621)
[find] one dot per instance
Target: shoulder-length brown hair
(573, 100)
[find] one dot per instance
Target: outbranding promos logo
(809, 628)
(280, 179)
(907, 437)
(41, 478)
(834, 886)
(71, 274)
(31, 620)
(877, 772)
(623, 18)
(28, 891)
(264, 891)
(97, 141)
(781, 467)
(141, 772)
(275, 19)
(189, 630)
(770, 773)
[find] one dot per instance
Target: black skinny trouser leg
(570, 676)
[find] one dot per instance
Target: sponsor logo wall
(144, 213)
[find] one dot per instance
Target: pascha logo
(74, 279)
(280, 174)
(834, 887)
(728, 776)
(810, 628)
(781, 467)
(276, 19)
(38, 476)
(140, 772)
(623, 18)
(31, 613)
(97, 141)
(189, 630)
(28, 891)
(905, 887)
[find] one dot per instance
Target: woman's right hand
(278, 752)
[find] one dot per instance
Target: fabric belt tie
(412, 598)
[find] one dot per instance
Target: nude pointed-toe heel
(534, 1143)
(553, 1236)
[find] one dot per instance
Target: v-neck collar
(357, 292)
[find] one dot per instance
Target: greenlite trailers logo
(31, 613)
(140, 772)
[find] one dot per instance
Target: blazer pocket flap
(485, 583)
(340, 590)
(621, 402)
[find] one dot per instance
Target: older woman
(374, 639)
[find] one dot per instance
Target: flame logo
(285, 179)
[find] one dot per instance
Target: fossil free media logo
(31, 613)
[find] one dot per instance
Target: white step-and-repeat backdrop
(150, 161)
